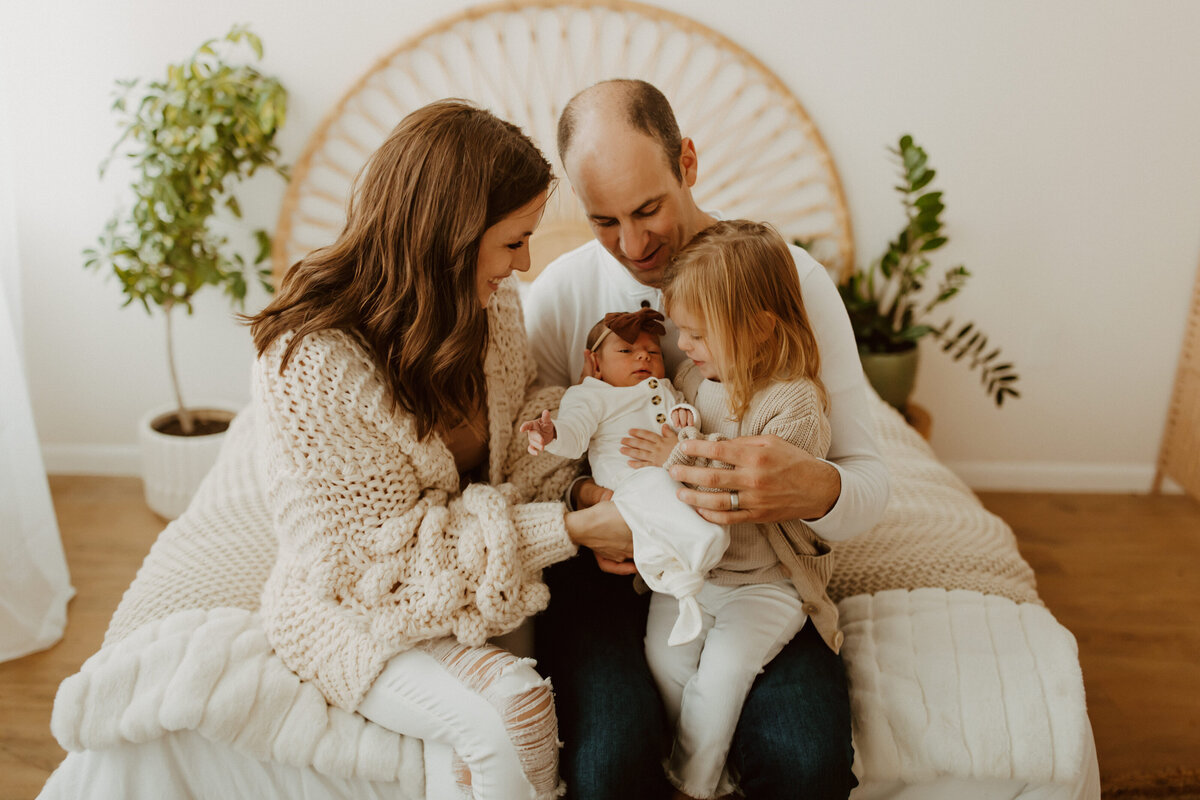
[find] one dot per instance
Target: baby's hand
(541, 432)
(682, 418)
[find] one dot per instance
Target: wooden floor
(106, 531)
(1120, 571)
(1117, 570)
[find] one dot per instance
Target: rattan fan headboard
(761, 157)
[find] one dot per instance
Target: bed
(962, 682)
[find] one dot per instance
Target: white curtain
(34, 584)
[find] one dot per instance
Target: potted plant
(890, 306)
(191, 136)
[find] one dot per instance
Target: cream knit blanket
(934, 532)
(185, 650)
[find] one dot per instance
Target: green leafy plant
(888, 302)
(209, 124)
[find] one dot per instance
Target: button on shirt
(595, 416)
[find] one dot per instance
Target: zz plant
(191, 136)
(888, 303)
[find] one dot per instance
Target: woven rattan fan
(761, 157)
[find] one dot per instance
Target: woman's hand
(585, 493)
(775, 481)
(647, 448)
(615, 567)
(602, 530)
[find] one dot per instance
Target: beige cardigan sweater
(378, 547)
(791, 410)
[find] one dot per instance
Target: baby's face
(625, 364)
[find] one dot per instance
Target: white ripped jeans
(705, 682)
(490, 706)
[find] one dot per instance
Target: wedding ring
(733, 500)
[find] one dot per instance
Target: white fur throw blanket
(955, 667)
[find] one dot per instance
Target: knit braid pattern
(378, 549)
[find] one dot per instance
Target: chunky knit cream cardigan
(378, 547)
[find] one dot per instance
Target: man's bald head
(640, 104)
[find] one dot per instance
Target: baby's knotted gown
(673, 546)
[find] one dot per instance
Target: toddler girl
(735, 297)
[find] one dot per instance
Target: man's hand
(648, 449)
(541, 432)
(775, 481)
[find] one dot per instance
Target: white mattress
(185, 764)
(954, 694)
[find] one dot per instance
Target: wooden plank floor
(1118, 570)
(106, 531)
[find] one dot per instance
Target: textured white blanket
(214, 672)
(962, 684)
(943, 682)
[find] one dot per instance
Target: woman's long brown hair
(402, 273)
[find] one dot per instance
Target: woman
(392, 367)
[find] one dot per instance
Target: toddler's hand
(648, 449)
(682, 418)
(541, 432)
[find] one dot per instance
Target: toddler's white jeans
(705, 682)
(490, 706)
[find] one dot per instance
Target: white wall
(1066, 136)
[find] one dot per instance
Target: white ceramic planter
(174, 466)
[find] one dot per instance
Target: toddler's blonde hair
(740, 278)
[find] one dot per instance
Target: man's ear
(688, 162)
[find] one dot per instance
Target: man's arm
(775, 481)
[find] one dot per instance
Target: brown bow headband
(629, 324)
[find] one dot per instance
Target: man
(633, 173)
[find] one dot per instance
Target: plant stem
(186, 421)
(904, 266)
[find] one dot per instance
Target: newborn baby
(673, 547)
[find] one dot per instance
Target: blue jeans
(793, 737)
